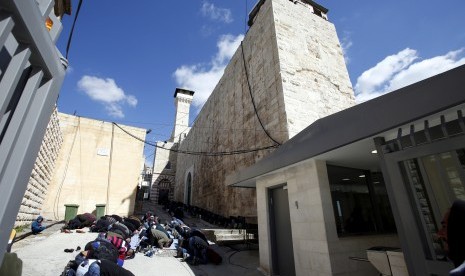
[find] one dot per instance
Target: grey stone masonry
(297, 75)
(41, 175)
(315, 81)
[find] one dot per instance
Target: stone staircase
(211, 231)
(149, 206)
(222, 236)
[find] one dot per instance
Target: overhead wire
(68, 45)
(163, 125)
(109, 168)
(80, 160)
(253, 100)
(203, 153)
(56, 202)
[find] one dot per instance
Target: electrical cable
(109, 169)
(238, 265)
(163, 125)
(56, 203)
(253, 101)
(203, 153)
(72, 29)
(80, 159)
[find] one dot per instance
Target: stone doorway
(164, 191)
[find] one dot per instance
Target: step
(225, 235)
(223, 231)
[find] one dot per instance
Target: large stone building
(165, 158)
(99, 163)
(371, 182)
(288, 72)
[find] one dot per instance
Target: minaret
(182, 101)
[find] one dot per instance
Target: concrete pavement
(43, 254)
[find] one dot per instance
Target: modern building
(99, 163)
(382, 173)
(288, 72)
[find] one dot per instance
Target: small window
(360, 201)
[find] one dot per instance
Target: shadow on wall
(132, 201)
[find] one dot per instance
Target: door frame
(409, 230)
(272, 229)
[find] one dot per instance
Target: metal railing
(31, 74)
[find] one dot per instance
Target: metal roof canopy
(365, 120)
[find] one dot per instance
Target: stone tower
(164, 159)
(288, 72)
(182, 101)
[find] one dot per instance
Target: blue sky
(126, 61)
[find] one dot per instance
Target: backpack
(102, 250)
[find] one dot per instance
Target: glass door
(424, 182)
(435, 182)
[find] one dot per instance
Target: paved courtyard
(43, 254)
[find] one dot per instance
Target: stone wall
(297, 75)
(31, 205)
(98, 164)
(164, 169)
(315, 81)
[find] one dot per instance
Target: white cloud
(402, 69)
(215, 13)
(106, 92)
(371, 80)
(346, 43)
(202, 78)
